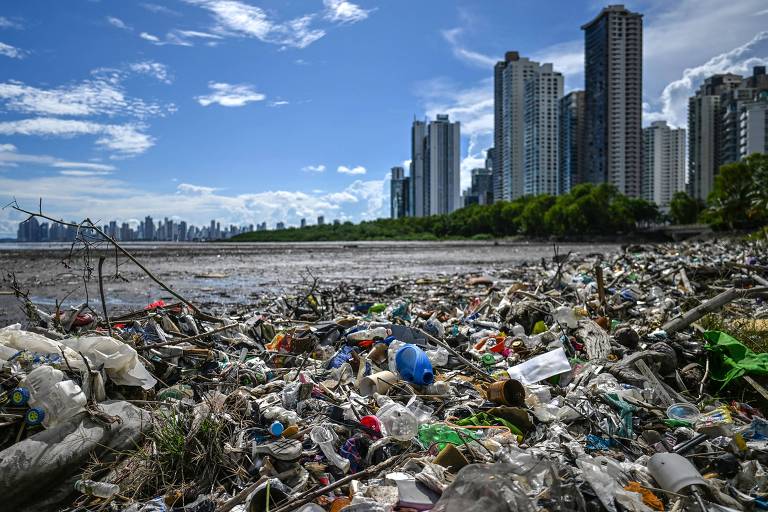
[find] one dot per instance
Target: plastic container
(97, 489)
(369, 334)
(414, 366)
(438, 356)
(325, 439)
(684, 412)
(396, 420)
(52, 399)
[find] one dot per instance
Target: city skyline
(157, 117)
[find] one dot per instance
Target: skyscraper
(509, 77)
(613, 77)
(398, 193)
(754, 126)
(572, 148)
(418, 196)
(435, 167)
(705, 133)
(541, 149)
(664, 163)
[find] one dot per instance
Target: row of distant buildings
(546, 142)
(31, 230)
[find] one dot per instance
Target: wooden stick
(239, 497)
(101, 292)
(710, 306)
(480, 373)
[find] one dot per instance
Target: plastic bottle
(414, 366)
(52, 399)
(98, 489)
(438, 356)
(369, 334)
(396, 420)
(325, 439)
(565, 315)
(394, 346)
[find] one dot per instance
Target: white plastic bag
(541, 367)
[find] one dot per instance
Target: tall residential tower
(613, 77)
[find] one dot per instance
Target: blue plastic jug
(414, 366)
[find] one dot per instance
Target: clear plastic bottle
(391, 353)
(52, 399)
(397, 421)
(369, 334)
(98, 489)
(438, 356)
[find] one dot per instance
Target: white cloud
(314, 168)
(159, 9)
(230, 95)
(472, 106)
(342, 11)
(235, 18)
(194, 189)
(462, 53)
(152, 68)
(674, 97)
(10, 157)
(6, 23)
(125, 140)
(80, 172)
(103, 95)
(357, 170)
(84, 165)
(149, 37)
(12, 51)
(179, 37)
(117, 22)
(279, 103)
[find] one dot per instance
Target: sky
(273, 110)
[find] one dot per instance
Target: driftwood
(710, 306)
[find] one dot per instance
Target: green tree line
(586, 210)
(739, 198)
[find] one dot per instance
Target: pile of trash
(585, 382)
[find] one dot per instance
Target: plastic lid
(34, 416)
(683, 411)
(20, 396)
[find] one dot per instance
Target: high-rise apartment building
(707, 134)
(399, 188)
(613, 77)
(753, 126)
(481, 189)
(572, 147)
(509, 77)
(435, 167)
(541, 121)
(664, 162)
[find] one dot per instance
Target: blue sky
(264, 110)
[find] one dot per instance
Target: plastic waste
(325, 438)
(438, 356)
(397, 421)
(377, 333)
(97, 489)
(541, 367)
(566, 316)
(51, 399)
(414, 366)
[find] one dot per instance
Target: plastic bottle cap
(20, 396)
(34, 416)
(276, 428)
